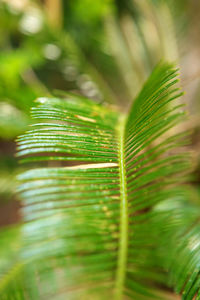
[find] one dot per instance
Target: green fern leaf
(95, 177)
(179, 244)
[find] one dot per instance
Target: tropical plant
(100, 49)
(105, 209)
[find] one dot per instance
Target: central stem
(123, 235)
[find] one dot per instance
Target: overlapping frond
(179, 243)
(174, 225)
(87, 209)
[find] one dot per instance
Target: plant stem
(123, 235)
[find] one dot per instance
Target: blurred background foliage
(102, 49)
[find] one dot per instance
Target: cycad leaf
(176, 223)
(85, 225)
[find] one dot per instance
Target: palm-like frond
(86, 233)
(175, 224)
(181, 256)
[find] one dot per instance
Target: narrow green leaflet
(95, 176)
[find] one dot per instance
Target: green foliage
(117, 224)
(111, 226)
(181, 257)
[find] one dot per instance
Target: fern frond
(179, 244)
(85, 232)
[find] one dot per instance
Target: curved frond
(97, 177)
